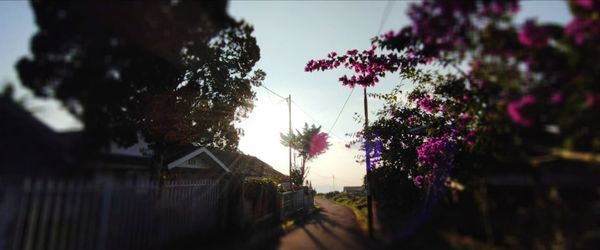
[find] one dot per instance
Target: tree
(8, 92)
(173, 72)
(309, 143)
(498, 90)
(490, 96)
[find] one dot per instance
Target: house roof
(28, 146)
(57, 148)
(176, 152)
(182, 156)
(236, 162)
(246, 164)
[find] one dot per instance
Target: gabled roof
(246, 164)
(178, 156)
(28, 145)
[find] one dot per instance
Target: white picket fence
(76, 214)
(293, 202)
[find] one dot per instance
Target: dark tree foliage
(8, 92)
(173, 72)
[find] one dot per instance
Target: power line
(306, 113)
(262, 85)
(268, 95)
(271, 102)
(386, 13)
(314, 120)
(340, 113)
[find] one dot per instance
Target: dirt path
(334, 227)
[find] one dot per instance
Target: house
(354, 189)
(247, 165)
(183, 161)
(215, 162)
(192, 161)
(28, 146)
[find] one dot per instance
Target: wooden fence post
(104, 214)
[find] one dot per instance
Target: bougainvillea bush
(489, 93)
(483, 82)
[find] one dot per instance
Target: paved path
(334, 227)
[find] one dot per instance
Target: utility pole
(289, 134)
(368, 164)
(333, 182)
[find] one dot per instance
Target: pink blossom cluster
(437, 27)
(497, 8)
(515, 110)
(581, 29)
(533, 35)
(586, 4)
(461, 124)
(444, 30)
(442, 26)
(436, 156)
(590, 99)
(436, 152)
(318, 144)
(367, 66)
(556, 98)
(426, 104)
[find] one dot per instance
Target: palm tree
(309, 143)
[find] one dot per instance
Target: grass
(361, 219)
(287, 225)
(356, 202)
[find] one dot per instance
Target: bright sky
(289, 33)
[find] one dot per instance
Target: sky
(289, 33)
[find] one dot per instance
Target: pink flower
(534, 36)
(590, 100)
(515, 108)
(470, 137)
(465, 117)
(426, 104)
(436, 152)
(318, 144)
(580, 28)
(585, 4)
(556, 98)
(496, 8)
(418, 180)
(389, 35)
(513, 8)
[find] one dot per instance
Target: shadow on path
(331, 227)
(334, 227)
